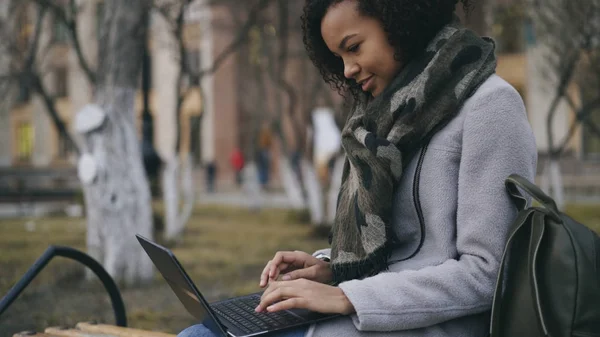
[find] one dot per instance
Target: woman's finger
(282, 261)
(290, 303)
(309, 273)
(295, 259)
(277, 259)
(264, 275)
(276, 294)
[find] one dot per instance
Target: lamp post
(152, 161)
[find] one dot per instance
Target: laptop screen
(172, 271)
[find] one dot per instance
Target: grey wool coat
(452, 216)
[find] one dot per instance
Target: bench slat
(61, 332)
(119, 331)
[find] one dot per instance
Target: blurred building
(523, 63)
(215, 120)
(231, 107)
(33, 137)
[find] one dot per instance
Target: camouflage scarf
(380, 135)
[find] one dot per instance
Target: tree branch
(582, 116)
(71, 24)
(239, 39)
(564, 80)
(183, 69)
(33, 79)
(51, 107)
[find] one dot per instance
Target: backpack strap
(521, 220)
(537, 233)
(515, 181)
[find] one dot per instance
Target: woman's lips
(367, 84)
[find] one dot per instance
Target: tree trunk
(167, 83)
(252, 186)
(116, 189)
(5, 125)
(7, 91)
(314, 193)
(554, 178)
(291, 183)
(334, 188)
(171, 197)
(188, 190)
(177, 178)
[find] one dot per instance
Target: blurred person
(265, 144)
(422, 215)
(211, 176)
(237, 162)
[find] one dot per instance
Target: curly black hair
(409, 24)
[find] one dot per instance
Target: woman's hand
(305, 294)
(296, 265)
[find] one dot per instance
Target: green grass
(223, 249)
(589, 215)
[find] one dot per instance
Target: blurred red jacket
(237, 160)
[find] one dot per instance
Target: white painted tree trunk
(314, 193)
(555, 180)
(170, 191)
(334, 188)
(7, 90)
(251, 186)
(291, 184)
(188, 189)
(5, 125)
(177, 177)
(117, 194)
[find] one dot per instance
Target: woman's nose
(351, 70)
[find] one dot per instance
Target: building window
(65, 148)
(529, 32)
(99, 18)
(510, 28)
(195, 144)
(591, 140)
(60, 32)
(24, 93)
(25, 28)
(24, 134)
(192, 58)
(61, 78)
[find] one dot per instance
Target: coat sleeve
(497, 141)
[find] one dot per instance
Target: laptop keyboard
(241, 311)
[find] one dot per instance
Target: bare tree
(569, 32)
(177, 175)
(296, 101)
(7, 86)
(276, 55)
(114, 181)
(116, 190)
(24, 63)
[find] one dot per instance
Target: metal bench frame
(81, 257)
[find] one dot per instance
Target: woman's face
(362, 44)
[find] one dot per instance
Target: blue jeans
(201, 331)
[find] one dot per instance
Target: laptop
(232, 317)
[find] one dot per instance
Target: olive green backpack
(549, 279)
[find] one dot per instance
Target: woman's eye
(354, 48)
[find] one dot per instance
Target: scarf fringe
(373, 264)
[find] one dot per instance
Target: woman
(422, 213)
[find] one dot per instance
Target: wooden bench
(92, 330)
(30, 184)
(26, 186)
